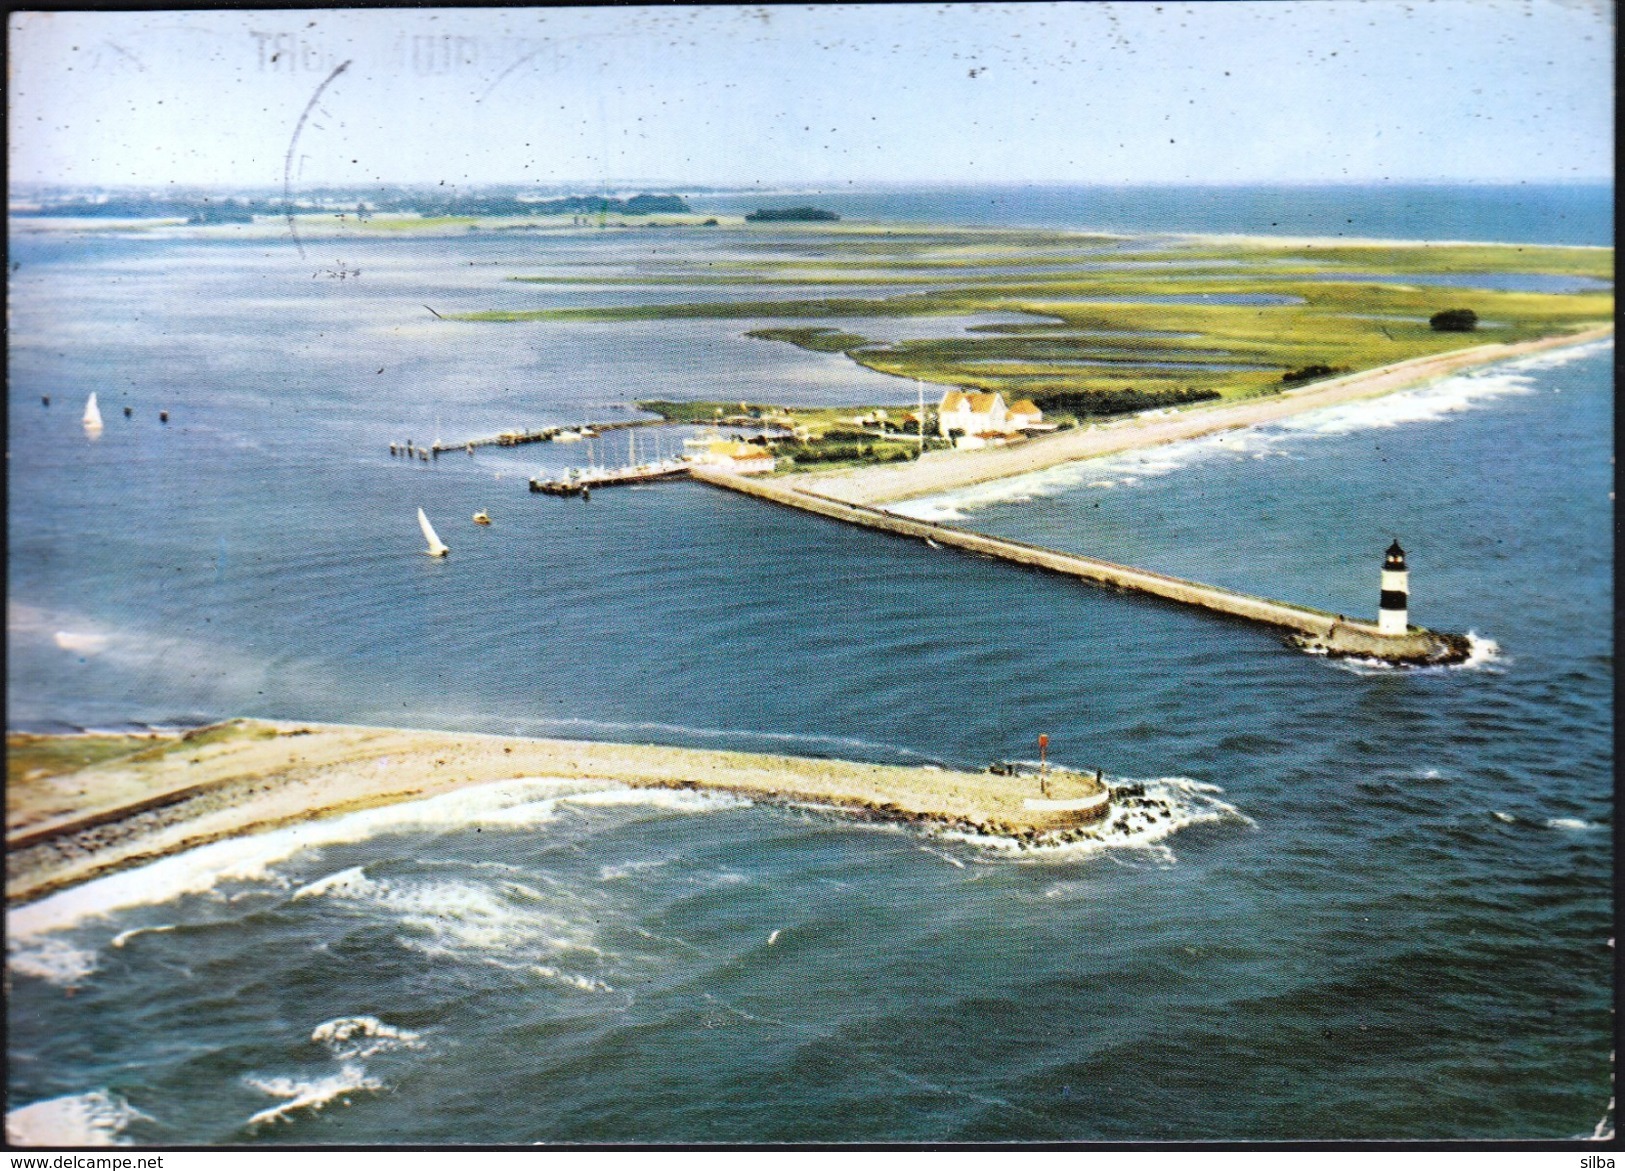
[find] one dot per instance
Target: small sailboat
(481, 519)
(437, 548)
(93, 414)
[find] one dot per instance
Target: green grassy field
(1103, 316)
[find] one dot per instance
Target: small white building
(1025, 414)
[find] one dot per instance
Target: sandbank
(944, 471)
(169, 794)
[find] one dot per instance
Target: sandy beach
(167, 794)
(944, 471)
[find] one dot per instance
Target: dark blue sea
(1383, 908)
(1524, 213)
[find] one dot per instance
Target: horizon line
(827, 187)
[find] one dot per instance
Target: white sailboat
(437, 548)
(93, 414)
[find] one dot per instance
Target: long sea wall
(171, 794)
(1315, 630)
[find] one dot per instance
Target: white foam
(525, 802)
(948, 858)
(362, 1036)
(348, 883)
(124, 937)
(682, 800)
(1426, 403)
(96, 1119)
(570, 979)
(1179, 802)
(52, 960)
(1483, 654)
(309, 1095)
(1562, 356)
(628, 869)
(460, 920)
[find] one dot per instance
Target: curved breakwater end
(174, 794)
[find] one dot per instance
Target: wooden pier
(1314, 630)
(542, 435)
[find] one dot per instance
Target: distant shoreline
(150, 797)
(946, 471)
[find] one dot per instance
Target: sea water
(1381, 908)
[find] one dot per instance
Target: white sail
(436, 547)
(93, 414)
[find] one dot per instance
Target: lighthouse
(1391, 611)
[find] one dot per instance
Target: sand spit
(944, 471)
(175, 793)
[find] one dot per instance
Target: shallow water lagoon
(1323, 299)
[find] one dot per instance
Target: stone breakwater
(1314, 630)
(250, 776)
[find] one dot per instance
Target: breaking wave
(516, 804)
(458, 918)
(1422, 404)
(348, 1041)
(308, 1094)
(1145, 814)
(96, 1119)
(1562, 824)
(52, 960)
(1483, 654)
(362, 1036)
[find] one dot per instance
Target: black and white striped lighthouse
(1391, 611)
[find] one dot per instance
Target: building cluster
(729, 455)
(975, 419)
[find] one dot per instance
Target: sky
(1215, 91)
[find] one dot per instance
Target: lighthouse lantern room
(1392, 615)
